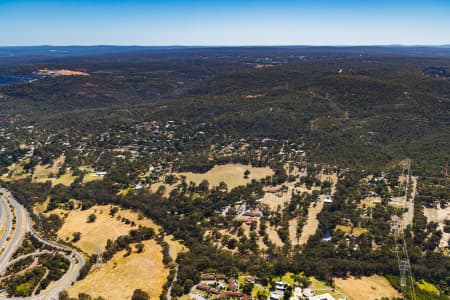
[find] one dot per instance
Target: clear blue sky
(232, 22)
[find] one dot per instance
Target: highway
(17, 225)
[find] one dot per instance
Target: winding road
(17, 225)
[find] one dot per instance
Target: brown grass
(273, 236)
(366, 288)
(293, 231)
(119, 277)
(94, 235)
(231, 174)
(43, 173)
(312, 223)
(439, 216)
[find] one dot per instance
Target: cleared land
(439, 215)
(43, 173)
(119, 277)
(312, 223)
(231, 174)
(62, 72)
(95, 235)
(273, 200)
(293, 231)
(366, 288)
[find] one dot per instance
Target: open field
(119, 277)
(43, 173)
(439, 215)
(357, 231)
(16, 171)
(293, 231)
(168, 188)
(366, 288)
(370, 202)
(231, 174)
(91, 177)
(273, 236)
(273, 200)
(94, 235)
(428, 287)
(321, 287)
(312, 223)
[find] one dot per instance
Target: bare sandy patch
(119, 277)
(62, 72)
(367, 288)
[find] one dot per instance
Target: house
(281, 285)
(203, 287)
(221, 277)
(207, 277)
(308, 293)
(254, 213)
(275, 296)
(328, 199)
(322, 297)
(250, 279)
(232, 284)
(249, 220)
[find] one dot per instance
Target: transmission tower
(401, 249)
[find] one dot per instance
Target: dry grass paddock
(231, 174)
(119, 277)
(367, 288)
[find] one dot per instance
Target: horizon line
(235, 46)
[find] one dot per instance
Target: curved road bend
(22, 226)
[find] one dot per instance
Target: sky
(224, 23)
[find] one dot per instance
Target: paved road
(7, 230)
(21, 227)
(410, 203)
(16, 230)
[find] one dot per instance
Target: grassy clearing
(91, 177)
(428, 287)
(288, 278)
(321, 287)
(348, 229)
(312, 223)
(370, 202)
(366, 288)
(231, 174)
(94, 235)
(43, 173)
(273, 236)
(119, 277)
(16, 171)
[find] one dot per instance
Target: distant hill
(353, 108)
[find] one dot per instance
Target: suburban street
(13, 236)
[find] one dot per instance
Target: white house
(322, 297)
